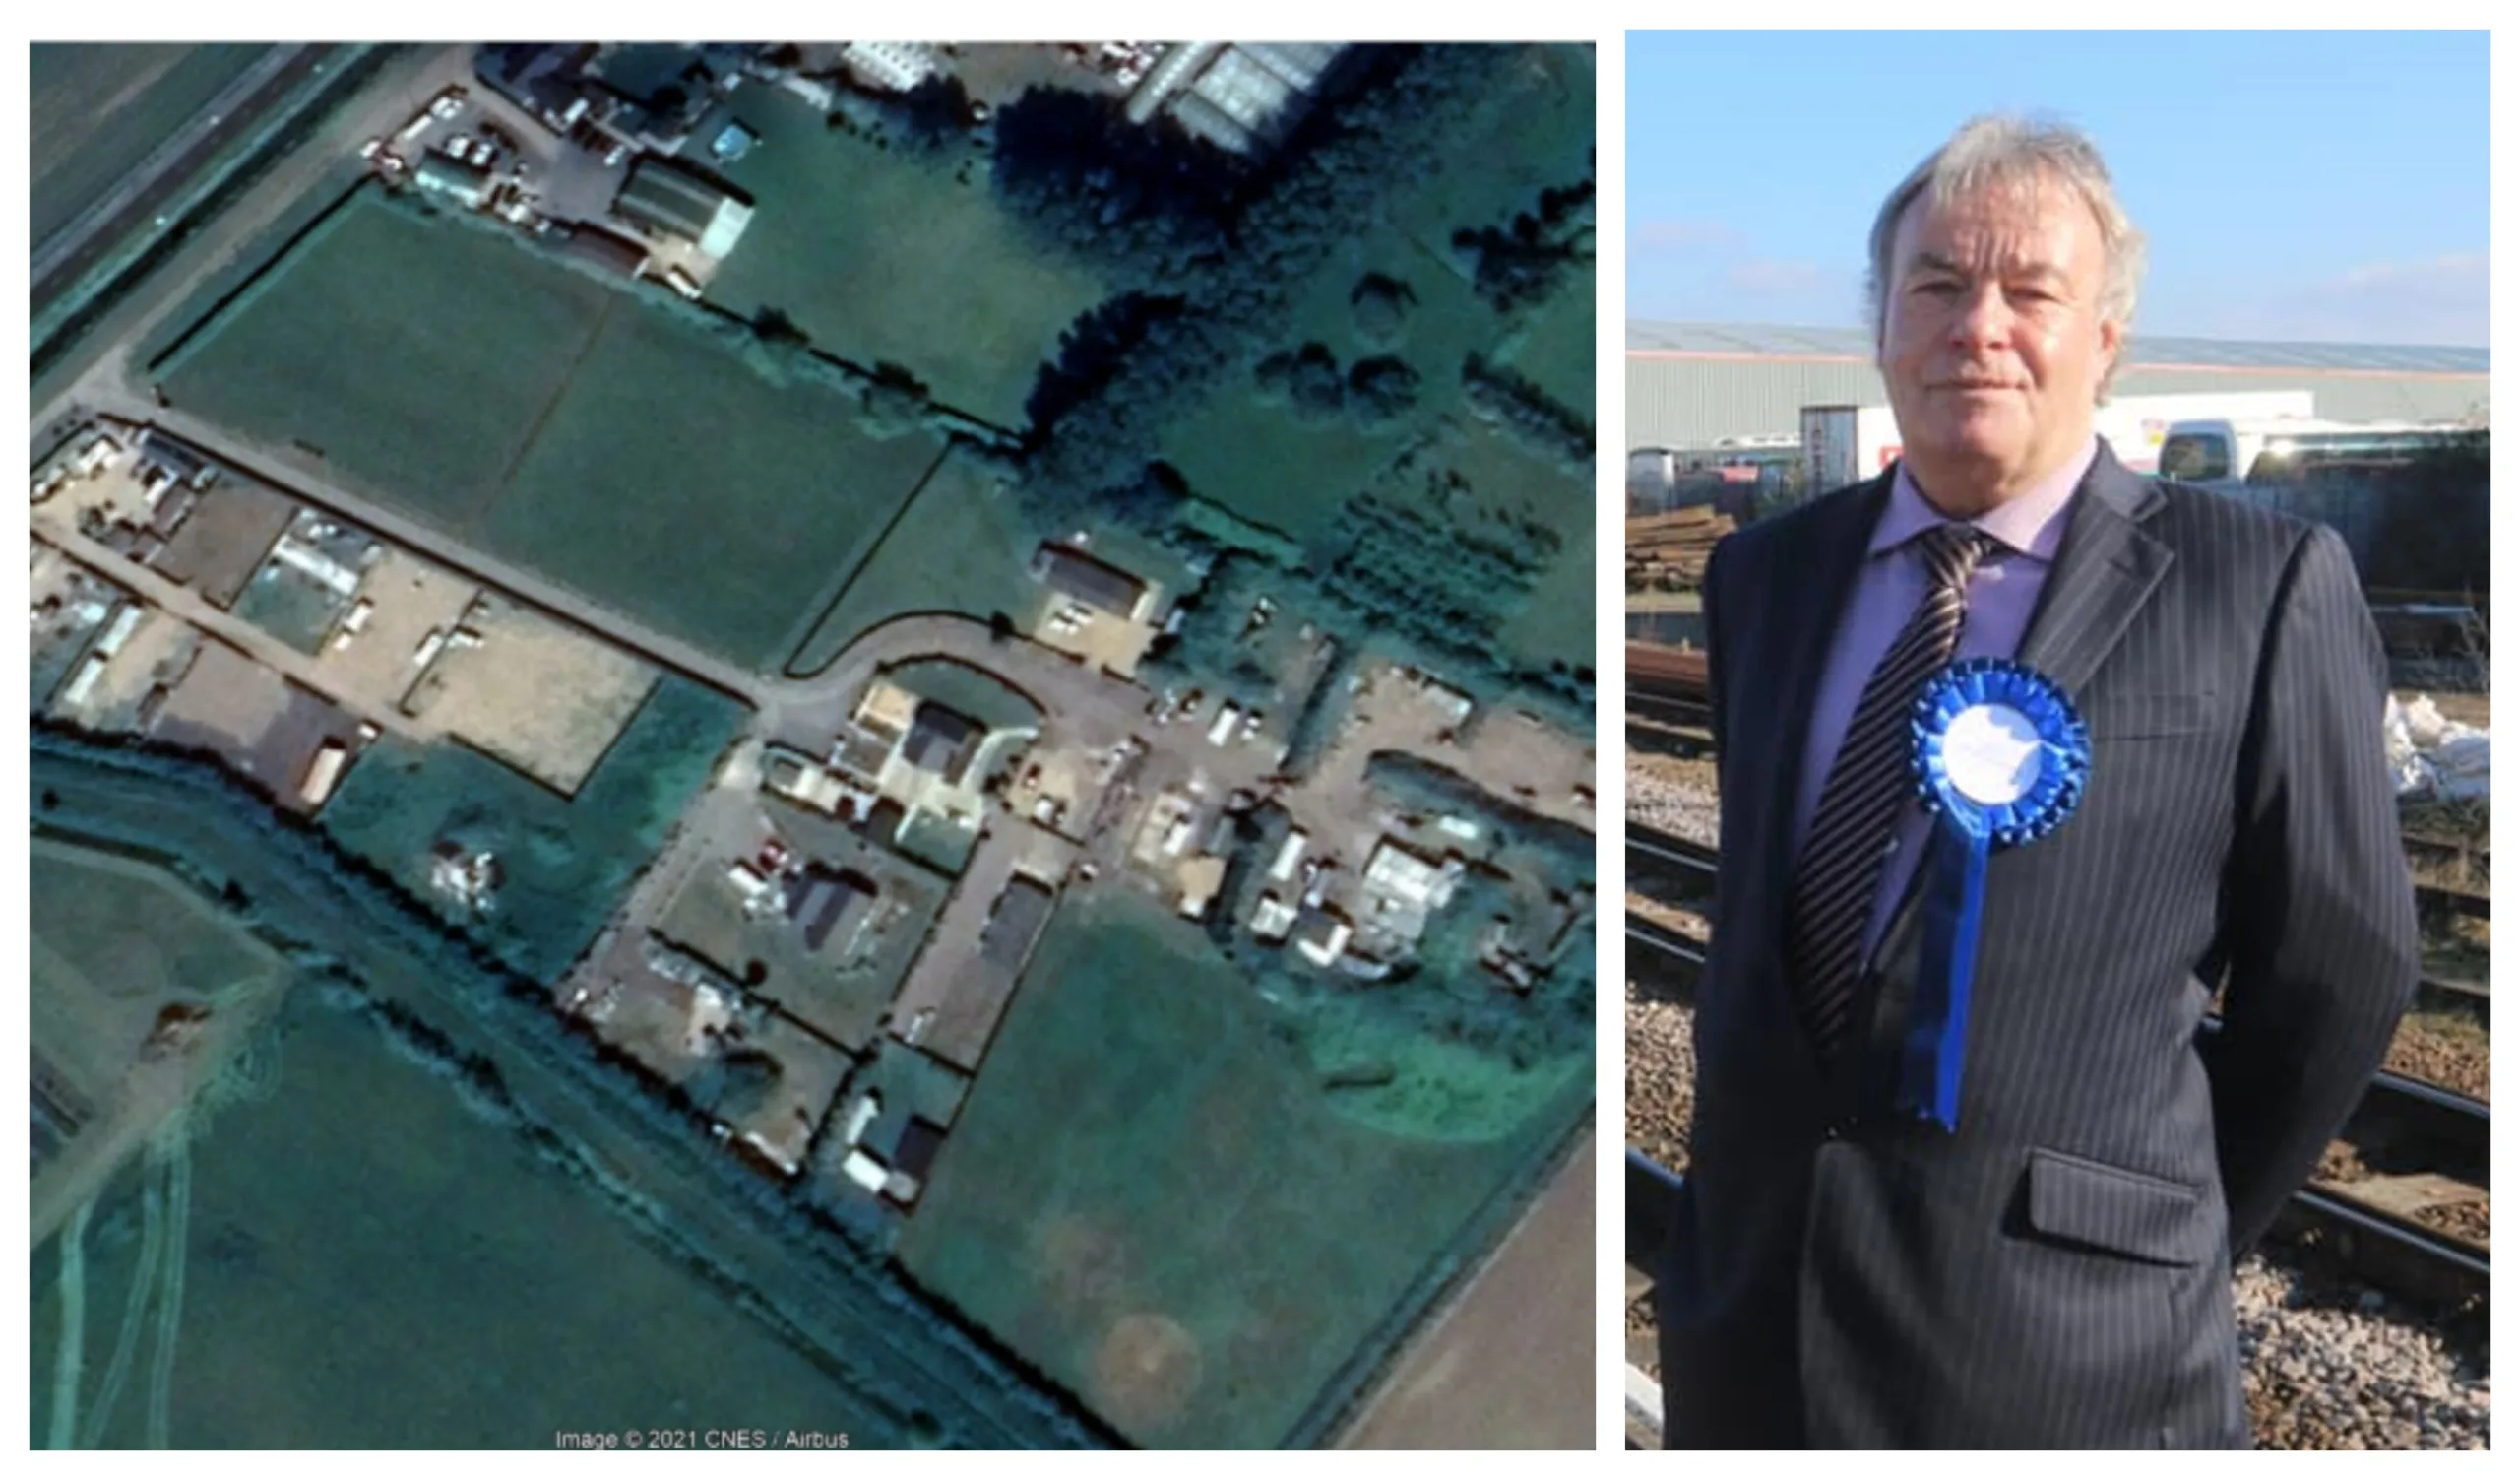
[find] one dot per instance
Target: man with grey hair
(1954, 1192)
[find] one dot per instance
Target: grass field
(960, 547)
(565, 862)
(1147, 1195)
(1558, 619)
(356, 1261)
(675, 483)
(420, 360)
(103, 925)
(882, 256)
(1555, 350)
(100, 110)
(527, 408)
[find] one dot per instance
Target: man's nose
(1982, 319)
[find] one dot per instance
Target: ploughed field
(557, 421)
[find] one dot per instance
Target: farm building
(896, 66)
(1078, 576)
(609, 250)
(663, 197)
(1242, 99)
(1015, 922)
(548, 81)
(1691, 385)
(916, 1150)
(460, 180)
(942, 743)
(825, 905)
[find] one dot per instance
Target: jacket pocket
(2125, 717)
(2123, 1212)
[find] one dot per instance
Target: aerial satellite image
(819, 745)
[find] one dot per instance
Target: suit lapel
(2106, 567)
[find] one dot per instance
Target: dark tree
(1381, 390)
(1381, 305)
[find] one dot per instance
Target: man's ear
(2112, 343)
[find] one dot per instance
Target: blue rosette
(2002, 757)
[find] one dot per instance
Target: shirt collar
(2032, 525)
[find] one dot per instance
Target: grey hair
(2000, 151)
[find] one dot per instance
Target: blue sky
(2301, 185)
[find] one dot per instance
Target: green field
(959, 546)
(1556, 622)
(342, 1255)
(419, 360)
(1148, 1196)
(528, 409)
(1556, 349)
(566, 861)
(676, 485)
(102, 924)
(100, 110)
(882, 256)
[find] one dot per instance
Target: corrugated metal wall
(1691, 403)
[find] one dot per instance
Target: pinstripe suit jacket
(2055, 1272)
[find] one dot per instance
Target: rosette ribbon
(2001, 757)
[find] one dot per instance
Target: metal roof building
(666, 197)
(1690, 385)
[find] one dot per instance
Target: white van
(2273, 450)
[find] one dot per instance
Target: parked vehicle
(1846, 444)
(2281, 450)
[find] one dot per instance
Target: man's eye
(1937, 287)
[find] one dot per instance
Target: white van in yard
(2280, 450)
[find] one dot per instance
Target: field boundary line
(214, 317)
(476, 517)
(804, 633)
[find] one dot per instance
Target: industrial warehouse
(1726, 421)
(1696, 385)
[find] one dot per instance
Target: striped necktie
(1870, 783)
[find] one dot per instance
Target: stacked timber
(1668, 551)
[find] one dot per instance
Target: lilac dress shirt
(2003, 594)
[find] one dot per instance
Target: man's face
(1993, 342)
